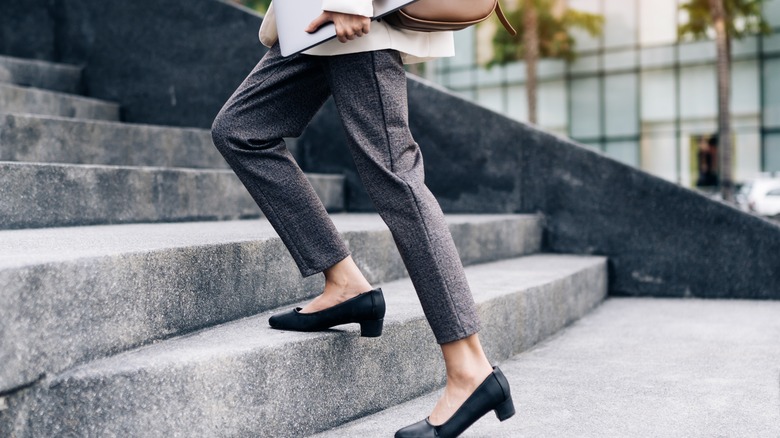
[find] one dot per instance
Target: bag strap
(504, 21)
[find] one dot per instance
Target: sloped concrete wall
(661, 239)
(471, 156)
(167, 62)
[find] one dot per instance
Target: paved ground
(637, 368)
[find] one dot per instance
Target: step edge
(276, 415)
(50, 233)
(109, 123)
(197, 170)
(590, 262)
(69, 96)
(526, 240)
(40, 62)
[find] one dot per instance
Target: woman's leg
(370, 93)
(467, 367)
(278, 99)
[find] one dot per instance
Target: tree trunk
(531, 44)
(724, 97)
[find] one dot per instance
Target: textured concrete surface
(49, 195)
(661, 239)
(48, 139)
(16, 99)
(244, 379)
(73, 294)
(27, 28)
(638, 368)
(133, 53)
(40, 74)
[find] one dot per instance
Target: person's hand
(348, 26)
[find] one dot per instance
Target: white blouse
(413, 46)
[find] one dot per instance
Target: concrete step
(47, 139)
(245, 379)
(40, 74)
(638, 368)
(74, 294)
(51, 195)
(16, 99)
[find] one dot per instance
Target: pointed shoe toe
(366, 309)
(421, 429)
(492, 395)
(285, 319)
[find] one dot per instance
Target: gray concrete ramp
(636, 368)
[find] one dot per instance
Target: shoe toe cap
(421, 429)
(282, 320)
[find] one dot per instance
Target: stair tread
(692, 361)
(122, 166)
(42, 74)
(97, 122)
(30, 100)
(37, 62)
(488, 280)
(53, 139)
(69, 121)
(167, 279)
(105, 194)
(46, 245)
(60, 94)
(196, 170)
(269, 383)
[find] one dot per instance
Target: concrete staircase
(117, 322)
(67, 160)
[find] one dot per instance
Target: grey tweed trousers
(278, 99)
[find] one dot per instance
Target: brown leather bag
(441, 15)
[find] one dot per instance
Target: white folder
(294, 16)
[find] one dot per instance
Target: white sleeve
(268, 32)
(355, 7)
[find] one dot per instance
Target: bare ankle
(468, 376)
(345, 278)
(466, 362)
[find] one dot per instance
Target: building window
(636, 93)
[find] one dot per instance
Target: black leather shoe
(367, 309)
(492, 395)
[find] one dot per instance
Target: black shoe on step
(492, 395)
(366, 309)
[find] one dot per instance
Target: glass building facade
(636, 93)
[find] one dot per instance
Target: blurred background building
(637, 92)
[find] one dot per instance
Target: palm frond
(555, 32)
(743, 18)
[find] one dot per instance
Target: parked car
(762, 196)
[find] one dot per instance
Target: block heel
(505, 410)
(371, 328)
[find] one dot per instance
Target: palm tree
(543, 31)
(531, 56)
(728, 19)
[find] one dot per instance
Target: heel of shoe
(505, 410)
(371, 328)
